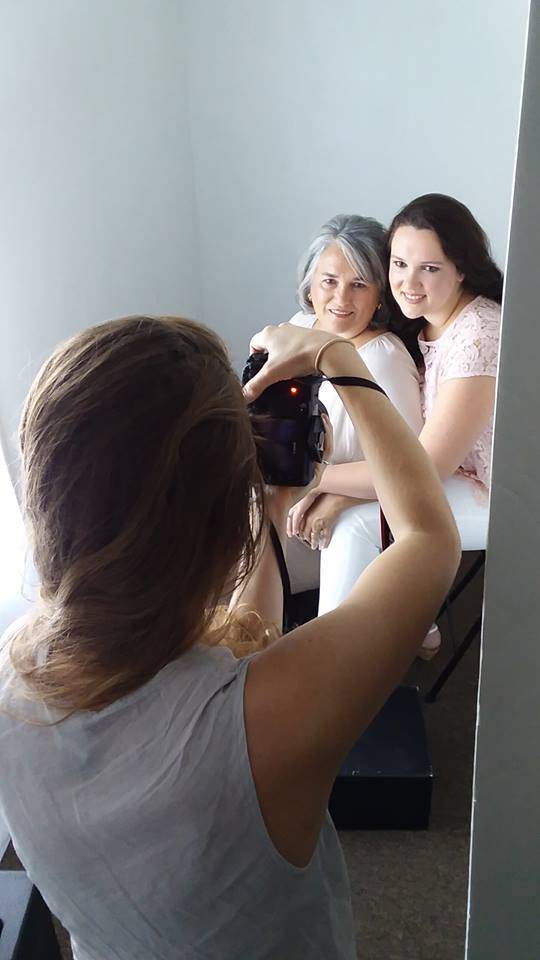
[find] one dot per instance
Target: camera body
(288, 427)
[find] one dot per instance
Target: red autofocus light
(294, 390)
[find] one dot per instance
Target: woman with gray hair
(342, 290)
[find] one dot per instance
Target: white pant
(356, 541)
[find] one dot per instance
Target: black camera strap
(282, 567)
(355, 382)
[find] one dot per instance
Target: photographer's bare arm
(309, 696)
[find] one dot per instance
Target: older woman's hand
(297, 513)
(315, 516)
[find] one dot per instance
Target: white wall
(300, 110)
(505, 849)
(158, 155)
(96, 201)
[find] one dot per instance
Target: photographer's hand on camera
(292, 352)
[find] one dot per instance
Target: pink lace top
(468, 348)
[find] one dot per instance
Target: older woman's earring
(379, 305)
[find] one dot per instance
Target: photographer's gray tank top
(141, 827)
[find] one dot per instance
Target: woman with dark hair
(449, 291)
(168, 799)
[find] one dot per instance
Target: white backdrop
(96, 197)
(301, 110)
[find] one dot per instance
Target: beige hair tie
(329, 344)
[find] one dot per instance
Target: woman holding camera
(449, 292)
(166, 798)
(342, 290)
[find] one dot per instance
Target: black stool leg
(432, 694)
(465, 581)
(447, 609)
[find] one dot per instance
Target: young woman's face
(423, 280)
(343, 303)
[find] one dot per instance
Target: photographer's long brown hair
(140, 477)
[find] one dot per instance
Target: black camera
(288, 427)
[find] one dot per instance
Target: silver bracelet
(329, 344)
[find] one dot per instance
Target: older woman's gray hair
(362, 241)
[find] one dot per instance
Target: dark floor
(410, 887)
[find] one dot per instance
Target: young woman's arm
(310, 695)
(462, 409)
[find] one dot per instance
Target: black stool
(386, 780)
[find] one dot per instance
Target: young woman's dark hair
(464, 243)
(461, 237)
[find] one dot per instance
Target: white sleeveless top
(392, 366)
(140, 825)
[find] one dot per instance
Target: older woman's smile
(343, 301)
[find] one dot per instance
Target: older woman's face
(343, 302)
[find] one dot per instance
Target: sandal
(431, 644)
